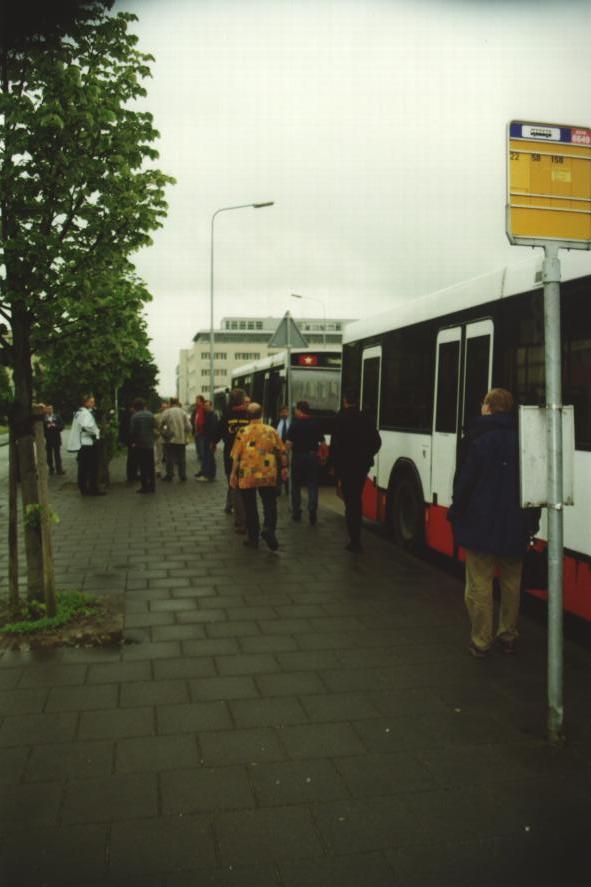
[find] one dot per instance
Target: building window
(221, 372)
(204, 355)
(259, 324)
(242, 324)
(219, 355)
(247, 355)
(205, 372)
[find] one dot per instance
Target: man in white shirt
(84, 437)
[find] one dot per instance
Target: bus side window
(477, 363)
(446, 419)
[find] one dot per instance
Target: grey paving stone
(116, 723)
(247, 664)
(53, 675)
(233, 629)
(339, 707)
(21, 702)
(12, 764)
(185, 617)
(324, 640)
(321, 740)
(111, 799)
(167, 844)
(206, 790)
(309, 660)
(173, 605)
(72, 856)
(269, 712)
(144, 693)
(240, 613)
(268, 644)
(9, 678)
(210, 647)
(155, 753)
(186, 667)
(160, 650)
(119, 672)
(297, 782)
(193, 717)
(22, 806)
(363, 826)
(223, 688)
(240, 746)
(350, 870)
(82, 698)
(70, 760)
(263, 875)
(299, 683)
(177, 632)
(387, 774)
(145, 619)
(280, 833)
(37, 728)
(284, 626)
(201, 591)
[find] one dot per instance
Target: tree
(78, 191)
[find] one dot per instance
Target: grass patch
(32, 616)
(3, 429)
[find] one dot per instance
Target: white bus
(422, 369)
(315, 377)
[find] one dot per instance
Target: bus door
(371, 365)
(445, 414)
(478, 358)
(467, 351)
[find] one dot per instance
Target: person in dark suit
(354, 443)
(489, 523)
(53, 425)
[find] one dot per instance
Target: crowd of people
(264, 462)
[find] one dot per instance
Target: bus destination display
(549, 184)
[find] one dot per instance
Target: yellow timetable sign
(549, 184)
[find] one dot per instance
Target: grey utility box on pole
(533, 456)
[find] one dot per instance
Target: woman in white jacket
(84, 437)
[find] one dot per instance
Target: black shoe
(354, 547)
(51, 471)
(227, 511)
(166, 478)
(271, 539)
(144, 491)
(312, 518)
(297, 516)
(199, 474)
(96, 493)
(251, 543)
(182, 480)
(61, 472)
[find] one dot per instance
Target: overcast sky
(376, 126)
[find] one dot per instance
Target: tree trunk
(23, 429)
(45, 517)
(12, 525)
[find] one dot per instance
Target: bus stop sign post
(549, 205)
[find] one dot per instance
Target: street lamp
(313, 299)
(223, 209)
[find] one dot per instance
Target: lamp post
(223, 209)
(320, 302)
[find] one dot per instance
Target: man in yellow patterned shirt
(255, 456)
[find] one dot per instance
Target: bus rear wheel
(407, 513)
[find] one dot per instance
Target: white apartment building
(241, 340)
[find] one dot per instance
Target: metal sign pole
(288, 365)
(551, 276)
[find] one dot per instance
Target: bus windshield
(319, 387)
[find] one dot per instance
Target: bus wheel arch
(406, 506)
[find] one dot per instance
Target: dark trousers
(208, 464)
(174, 454)
(352, 485)
(88, 465)
(269, 499)
(145, 458)
(304, 472)
(200, 448)
(132, 466)
(54, 456)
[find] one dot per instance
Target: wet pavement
(310, 717)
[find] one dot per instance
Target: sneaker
(202, 479)
(271, 539)
(477, 652)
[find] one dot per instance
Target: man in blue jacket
(489, 523)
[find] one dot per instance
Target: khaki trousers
(480, 569)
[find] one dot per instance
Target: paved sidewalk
(306, 718)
